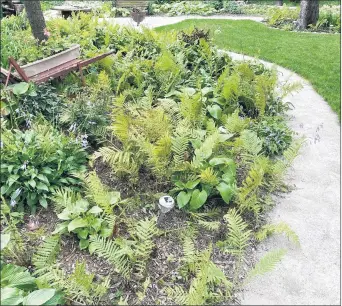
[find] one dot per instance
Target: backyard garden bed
(167, 114)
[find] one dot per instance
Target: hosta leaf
(198, 199)
(106, 232)
(42, 186)
(84, 243)
(20, 88)
(191, 184)
(77, 223)
(11, 296)
(220, 160)
(226, 191)
(43, 202)
(83, 233)
(95, 210)
(39, 297)
(183, 198)
(32, 183)
(215, 111)
(61, 228)
(64, 215)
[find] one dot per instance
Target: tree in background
(309, 13)
(36, 18)
(279, 2)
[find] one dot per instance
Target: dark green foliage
(276, 134)
(36, 162)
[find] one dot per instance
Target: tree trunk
(279, 2)
(309, 12)
(36, 18)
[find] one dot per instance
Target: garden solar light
(166, 203)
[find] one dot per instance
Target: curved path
(309, 275)
(158, 21)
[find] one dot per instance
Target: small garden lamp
(166, 203)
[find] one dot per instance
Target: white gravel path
(158, 21)
(309, 275)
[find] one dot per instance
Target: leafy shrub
(87, 217)
(232, 7)
(276, 135)
(184, 8)
(37, 161)
(24, 101)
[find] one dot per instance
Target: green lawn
(316, 57)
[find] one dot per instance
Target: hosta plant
(83, 219)
(37, 161)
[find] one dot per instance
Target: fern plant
(207, 277)
(118, 252)
(46, 253)
(280, 228)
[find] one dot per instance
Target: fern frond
(280, 228)
(178, 295)
(209, 176)
(179, 148)
(235, 124)
(111, 251)
(267, 263)
(122, 162)
(100, 194)
(238, 235)
(210, 225)
(250, 142)
(64, 197)
(46, 253)
(144, 232)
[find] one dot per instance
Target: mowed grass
(316, 57)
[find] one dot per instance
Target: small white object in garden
(166, 203)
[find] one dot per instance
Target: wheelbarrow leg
(9, 75)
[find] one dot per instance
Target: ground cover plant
(167, 114)
(283, 48)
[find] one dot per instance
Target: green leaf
(43, 178)
(5, 239)
(83, 233)
(21, 88)
(96, 224)
(12, 179)
(198, 199)
(84, 243)
(226, 191)
(61, 228)
(76, 223)
(191, 184)
(95, 210)
(64, 215)
(106, 232)
(43, 202)
(39, 297)
(42, 186)
(11, 296)
(220, 160)
(228, 177)
(183, 198)
(114, 197)
(32, 183)
(215, 111)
